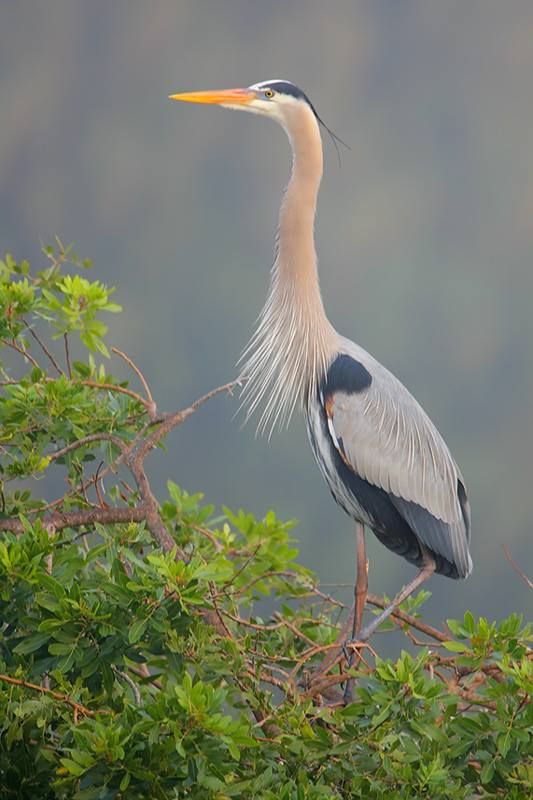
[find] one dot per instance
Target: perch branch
(413, 622)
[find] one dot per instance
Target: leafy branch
(160, 648)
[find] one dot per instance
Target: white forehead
(266, 84)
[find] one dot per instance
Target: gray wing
(386, 437)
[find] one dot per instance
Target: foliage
(168, 651)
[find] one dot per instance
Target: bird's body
(386, 464)
(384, 460)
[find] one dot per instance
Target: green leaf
(456, 647)
(487, 772)
(137, 630)
(31, 643)
(58, 649)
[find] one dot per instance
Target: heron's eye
(269, 93)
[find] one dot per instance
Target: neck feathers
(294, 341)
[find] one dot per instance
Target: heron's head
(277, 99)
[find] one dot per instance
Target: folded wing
(386, 438)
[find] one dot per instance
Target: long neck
(294, 340)
(296, 261)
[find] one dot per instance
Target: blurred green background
(425, 231)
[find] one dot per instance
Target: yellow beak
(234, 97)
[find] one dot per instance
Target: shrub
(136, 656)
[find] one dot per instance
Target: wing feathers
(389, 441)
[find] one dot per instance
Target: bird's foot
(352, 653)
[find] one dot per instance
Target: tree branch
(44, 348)
(77, 519)
(516, 568)
(79, 708)
(93, 437)
(141, 377)
(21, 350)
(413, 622)
(132, 456)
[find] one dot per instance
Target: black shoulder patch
(346, 375)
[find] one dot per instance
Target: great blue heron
(383, 459)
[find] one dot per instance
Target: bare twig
(220, 625)
(516, 568)
(243, 565)
(294, 629)
(67, 355)
(273, 626)
(139, 374)
(207, 533)
(327, 597)
(20, 350)
(97, 480)
(44, 348)
(113, 387)
(265, 576)
(131, 683)
(333, 648)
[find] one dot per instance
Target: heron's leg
(361, 584)
(427, 570)
(360, 592)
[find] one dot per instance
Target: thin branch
(76, 519)
(516, 568)
(243, 565)
(472, 697)
(138, 372)
(219, 624)
(296, 631)
(169, 421)
(20, 350)
(413, 622)
(314, 651)
(134, 461)
(254, 625)
(110, 387)
(113, 387)
(44, 348)
(67, 355)
(143, 672)
(97, 481)
(131, 683)
(79, 708)
(93, 437)
(325, 687)
(263, 577)
(327, 597)
(133, 457)
(207, 533)
(336, 649)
